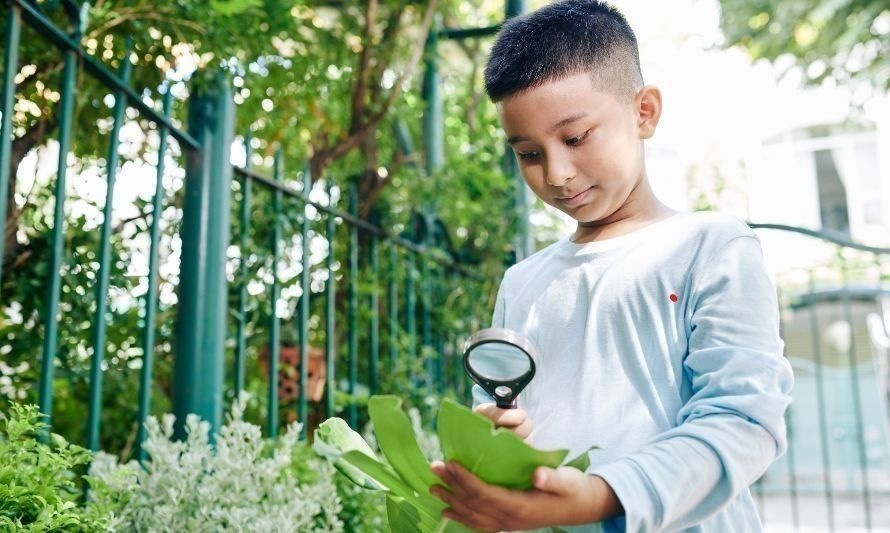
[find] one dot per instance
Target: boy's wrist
(602, 503)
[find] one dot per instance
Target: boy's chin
(582, 216)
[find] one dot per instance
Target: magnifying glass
(501, 361)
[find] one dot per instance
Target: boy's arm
(732, 427)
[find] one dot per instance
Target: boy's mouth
(575, 199)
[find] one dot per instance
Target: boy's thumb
(547, 479)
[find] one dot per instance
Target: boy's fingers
(524, 429)
(473, 487)
(457, 505)
(502, 417)
(488, 503)
(438, 468)
(562, 480)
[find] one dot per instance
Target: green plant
(241, 482)
(38, 489)
(495, 455)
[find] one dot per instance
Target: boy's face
(580, 149)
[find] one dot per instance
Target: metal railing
(403, 296)
(834, 300)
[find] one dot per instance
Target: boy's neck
(641, 209)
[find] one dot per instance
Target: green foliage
(38, 491)
(242, 482)
(497, 456)
(841, 39)
(300, 84)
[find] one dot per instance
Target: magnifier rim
(484, 336)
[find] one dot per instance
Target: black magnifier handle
(503, 398)
(506, 405)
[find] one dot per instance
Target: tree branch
(20, 148)
(324, 156)
(364, 67)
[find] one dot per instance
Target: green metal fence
(391, 286)
(835, 318)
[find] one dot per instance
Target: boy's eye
(573, 141)
(527, 156)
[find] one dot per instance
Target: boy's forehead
(554, 100)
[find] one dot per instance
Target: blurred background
(355, 202)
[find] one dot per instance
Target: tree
(847, 40)
(323, 81)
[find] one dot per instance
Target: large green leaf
(429, 507)
(333, 439)
(497, 456)
(582, 462)
(399, 444)
(402, 516)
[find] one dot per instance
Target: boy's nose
(559, 171)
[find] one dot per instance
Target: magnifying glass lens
(499, 361)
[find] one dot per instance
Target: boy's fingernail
(540, 477)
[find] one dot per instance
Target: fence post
(201, 317)
(524, 244)
(433, 130)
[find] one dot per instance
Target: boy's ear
(647, 104)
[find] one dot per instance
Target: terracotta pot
(289, 372)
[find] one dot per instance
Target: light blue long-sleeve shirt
(662, 347)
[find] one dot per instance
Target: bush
(38, 490)
(242, 482)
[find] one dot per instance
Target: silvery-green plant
(242, 483)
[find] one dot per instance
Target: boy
(657, 331)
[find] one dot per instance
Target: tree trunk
(20, 148)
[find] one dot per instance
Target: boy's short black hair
(562, 39)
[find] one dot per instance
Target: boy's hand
(562, 496)
(516, 420)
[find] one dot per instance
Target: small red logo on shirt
(673, 297)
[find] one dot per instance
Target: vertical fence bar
(425, 322)
(275, 322)
(10, 68)
(151, 296)
(99, 318)
(820, 403)
(523, 243)
(51, 329)
(330, 312)
(375, 314)
(433, 130)
(353, 329)
(305, 294)
(411, 317)
(392, 300)
(857, 398)
(198, 371)
(789, 421)
(441, 294)
(241, 333)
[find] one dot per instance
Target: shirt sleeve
(732, 426)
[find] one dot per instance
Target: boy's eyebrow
(564, 122)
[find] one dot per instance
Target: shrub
(242, 483)
(38, 490)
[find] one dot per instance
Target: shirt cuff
(642, 508)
